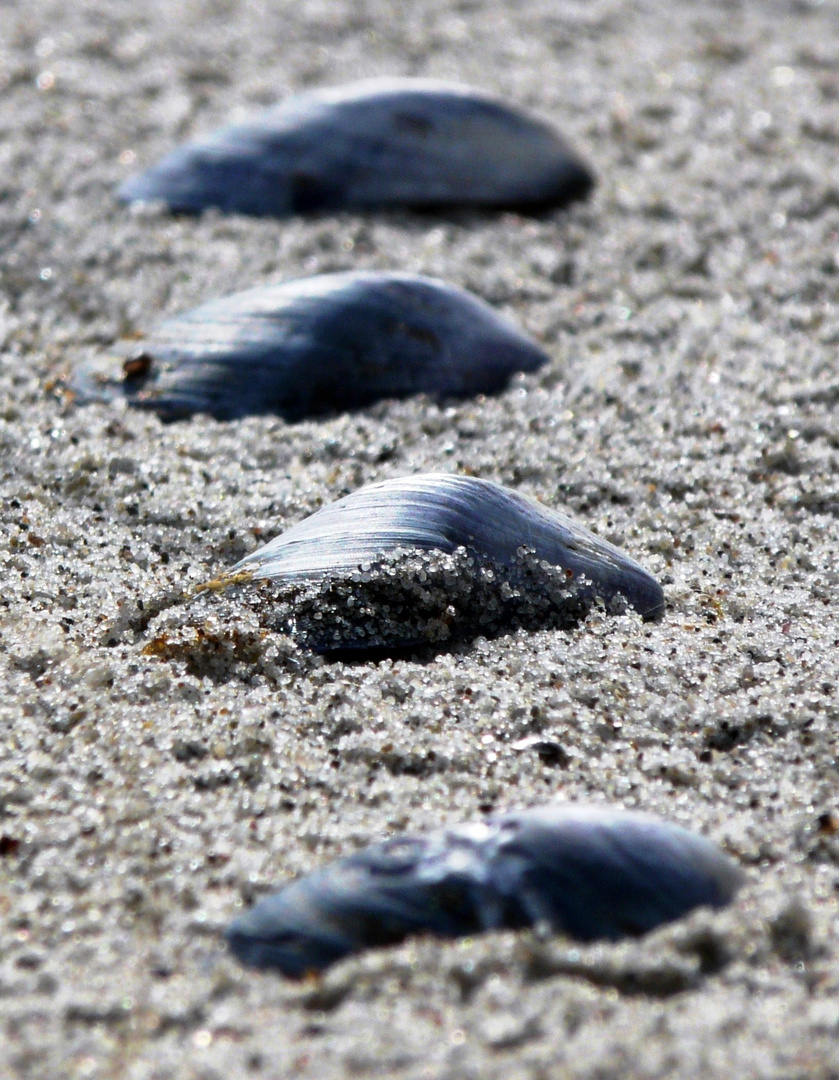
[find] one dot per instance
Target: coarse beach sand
(163, 767)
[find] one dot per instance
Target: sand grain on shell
(688, 415)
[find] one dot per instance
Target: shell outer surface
(590, 872)
(446, 513)
(331, 342)
(375, 143)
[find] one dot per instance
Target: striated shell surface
(439, 512)
(331, 342)
(588, 872)
(380, 142)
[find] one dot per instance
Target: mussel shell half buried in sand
(333, 342)
(589, 872)
(376, 143)
(432, 557)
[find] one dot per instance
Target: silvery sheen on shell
(331, 342)
(589, 872)
(436, 512)
(376, 143)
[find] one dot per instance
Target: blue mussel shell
(376, 143)
(441, 512)
(321, 344)
(588, 872)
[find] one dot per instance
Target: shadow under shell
(589, 872)
(329, 343)
(380, 142)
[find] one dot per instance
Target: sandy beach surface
(163, 767)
